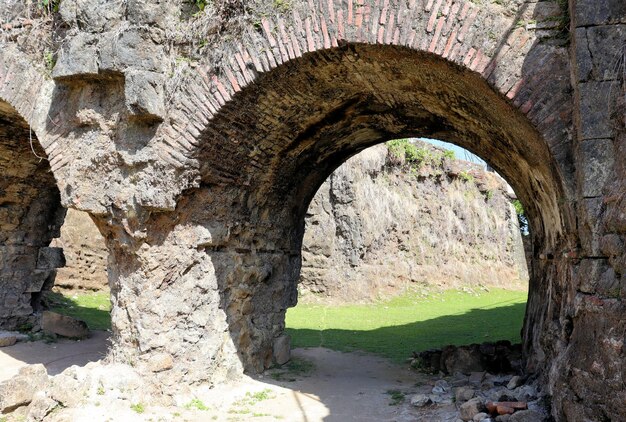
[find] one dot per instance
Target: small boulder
(420, 400)
(63, 325)
(40, 407)
(479, 417)
(503, 418)
(515, 382)
(7, 339)
(19, 390)
(463, 394)
(471, 408)
(476, 377)
(282, 349)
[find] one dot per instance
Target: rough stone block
(132, 49)
(79, 57)
(144, 93)
(595, 109)
(7, 339)
(594, 12)
(282, 349)
(583, 55)
(63, 325)
(597, 159)
(19, 390)
(606, 47)
(50, 258)
(92, 15)
(597, 277)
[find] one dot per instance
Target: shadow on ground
(398, 342)
(356, 386)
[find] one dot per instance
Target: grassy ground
(410, 323)
(93, 308)
(392, 329)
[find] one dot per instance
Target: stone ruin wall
(196, 141)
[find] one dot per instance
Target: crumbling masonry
(196, 141)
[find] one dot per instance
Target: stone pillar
(594, 361)
(199, 295)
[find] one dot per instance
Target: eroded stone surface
(201, 196)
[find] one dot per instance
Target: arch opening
(268, 150)
(30, 217)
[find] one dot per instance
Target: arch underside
(267, 151)
(285, 134)
(30, 216)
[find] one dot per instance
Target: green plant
(449, 154)
(200, 4)
(397, 397)
(296, 367)
(282, 5)
(521, 216)
(48, 58)
(100, 391)
(49, 6)
(489, 195)
(466, 177)
(196, 404)
(138, 408)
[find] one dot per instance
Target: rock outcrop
(382, 223)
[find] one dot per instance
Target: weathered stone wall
(380, 225)
(196, 142)
(85, 255)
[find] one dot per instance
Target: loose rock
(7, 339)
(471, 408)
(63, 325)
(19, 390)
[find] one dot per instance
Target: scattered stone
(471, 408)
(19, 390)
(526, 416)
(40, 407)
(480, 417)
(463, 394)
(476, 377)
(7, 339)
(503, 418)
(515, 382)
(63, 325)
(282, 349)
(420, 400)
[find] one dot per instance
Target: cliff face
(391, 219)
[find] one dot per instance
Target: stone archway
(31, 215)
(237, 236)
(199, 180)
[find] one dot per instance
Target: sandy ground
(341, 387)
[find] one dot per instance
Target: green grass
(93, 308)
(410, 323)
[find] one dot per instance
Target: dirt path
(339, 387)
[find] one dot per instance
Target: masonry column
(595, 361)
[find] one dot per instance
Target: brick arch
(312, 87)
(291, 102)
(487, 39)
